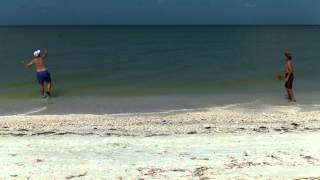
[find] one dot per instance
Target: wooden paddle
(281, 77)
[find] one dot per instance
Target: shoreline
(140, 105)
(210, 121)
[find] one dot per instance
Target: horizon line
(165, 25)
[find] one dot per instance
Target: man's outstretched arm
(27, 64)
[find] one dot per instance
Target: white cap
(36, 53)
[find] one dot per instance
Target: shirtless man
(289, 76)
(43, 74)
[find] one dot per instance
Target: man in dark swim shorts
(289, 77)
(43, 74)
(289, 82)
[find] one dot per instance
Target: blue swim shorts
(43, 76)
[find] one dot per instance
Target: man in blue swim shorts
(43, 74)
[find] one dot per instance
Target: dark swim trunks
(289, 83)
(43, 76)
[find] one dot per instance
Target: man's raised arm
(44, 54)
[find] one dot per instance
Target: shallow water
(144, 69)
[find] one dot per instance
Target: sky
(159, 12)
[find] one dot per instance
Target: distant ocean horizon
(158, 25)
(131, 69)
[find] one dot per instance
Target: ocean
(146, 69)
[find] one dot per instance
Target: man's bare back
(39, 64)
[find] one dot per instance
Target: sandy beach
(214, 143)
(160, 90)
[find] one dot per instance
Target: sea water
(132, 69)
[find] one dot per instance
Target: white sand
(221, 143)
(275, 156)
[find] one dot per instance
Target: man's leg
(49, 83)
(289, 89)
(49, 86)
(291, 95)
(42, 89)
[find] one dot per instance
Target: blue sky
(159, 12)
